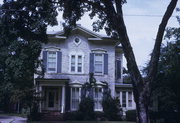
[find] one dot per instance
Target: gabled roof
(90, 34)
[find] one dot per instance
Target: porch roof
(43, 81)
(122, 85)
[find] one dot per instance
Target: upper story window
(98, 63)
(76, 63)
(52, 62)
(79, 63)
(73, 63)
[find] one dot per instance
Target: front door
(52, 99)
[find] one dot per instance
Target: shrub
(111, 108)
(73, 116)
(86, 108)
(99, 116)
(131, 115)
(34, 114)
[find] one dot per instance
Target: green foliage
(166, 88)
(111, 106)
(86, 108)
(23, 25)
(131, 115)
(73, 10)
(34, 114)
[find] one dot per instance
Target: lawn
(99, 122)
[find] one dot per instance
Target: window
(52, 62)
(129, 99)
(98, 98)
(73, 59)
(75, 98)
(79, 65)
(124, 99)
(77, 41)
(98, 63)
(76, 64)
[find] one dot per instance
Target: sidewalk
(12, 119)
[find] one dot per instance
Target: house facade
(67, 62)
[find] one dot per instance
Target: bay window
(98, 99)
(75, 98)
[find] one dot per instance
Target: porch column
(63, 99)
(40, 95)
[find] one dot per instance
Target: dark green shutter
(45, 60)
(118, 69)
(91, 63)
(59, 62)
(105, 63)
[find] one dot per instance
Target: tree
(167, 85)
(23, 25)
(110, 16)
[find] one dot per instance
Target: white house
(68, 62)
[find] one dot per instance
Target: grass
(99, 122)
(86, 122)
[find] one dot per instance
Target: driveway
(12, 119)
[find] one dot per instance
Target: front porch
(52, 93)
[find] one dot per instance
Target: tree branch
(153, 64)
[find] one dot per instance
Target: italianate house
(68, 62)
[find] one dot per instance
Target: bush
(86, 108)
(99, 116)
(34, 114)
(73, 116)
(111, 108)
(85, 112)
(131, 115)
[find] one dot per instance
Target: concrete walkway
(12, 119)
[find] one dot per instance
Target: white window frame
(53, 49)
(98, 99)
(76, 54)
(79, 98)
(99, 51)
(102, 64)
(48, 61)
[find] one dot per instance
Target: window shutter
(105, 63)
(59, 62)
(45, 60)
(91, 63)
(68, 97)
(118, 67)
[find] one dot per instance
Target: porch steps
(51, 116)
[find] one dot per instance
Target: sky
(141, 29)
